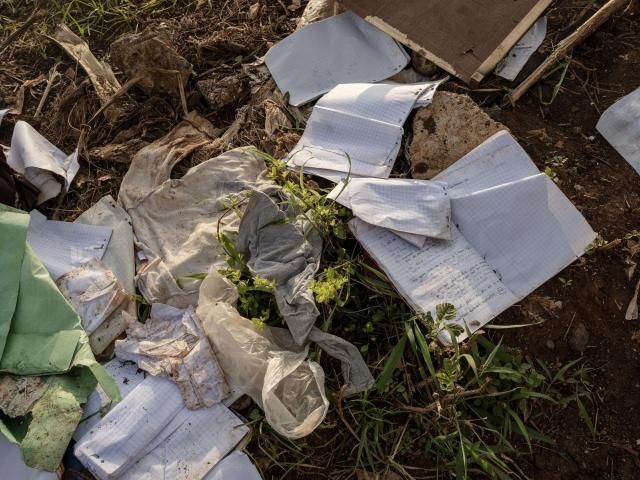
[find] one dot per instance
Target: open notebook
(150, 434)
(513, 229)
(356, 129)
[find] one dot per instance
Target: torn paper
(513, 230)
(176, 222)
(517, 58)
(18, 394)
(340, 49)
(419, 208)
(63, 246)
(119, 258)
(151, 434)
(171, 343)
(40, 161)
(620, 126)
(356, 129)
(94, 291)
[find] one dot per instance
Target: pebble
(551, 344)
(579, 338)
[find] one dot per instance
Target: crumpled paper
(172, 343)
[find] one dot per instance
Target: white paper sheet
(518, 56)
(620, 126)
(235, 466)
(151, 434)
(341, 49)
(38, 159)
(420, 208)
(14, 468)
(514, 230)
(357, 129)
(63, 246)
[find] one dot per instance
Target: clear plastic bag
(287, 386)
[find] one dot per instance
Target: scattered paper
(419, 208)
(94, 292)
(172, 343)
(517, 58)
(235, 466)
(341, 49)
(356, 129)
(620, 126)
(40, 161)
(151, 434)
(40, 334)
(513, 230)
(119, 258)
(63, 246)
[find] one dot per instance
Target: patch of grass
(88, 18)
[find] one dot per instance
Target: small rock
(224, 92)
(579, 338)
(551, 344)
(445, 131)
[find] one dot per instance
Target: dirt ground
(579, 314)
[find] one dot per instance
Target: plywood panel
(465, 37)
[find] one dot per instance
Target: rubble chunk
(447, 130)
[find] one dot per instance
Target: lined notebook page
(443, 271)
(498, 160)
(123, 436)
(203, 438)
(357, 128)
(416, 207)
(384, 102)
(512, 227)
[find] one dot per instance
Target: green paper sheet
(40, 334)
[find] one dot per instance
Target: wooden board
(467, 38)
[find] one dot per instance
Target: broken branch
(567, 45)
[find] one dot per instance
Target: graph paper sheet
(341, 49)
(356, 129)
(151, 434)
(510, 235)
(413, 209)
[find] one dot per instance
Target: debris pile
(143, 281)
